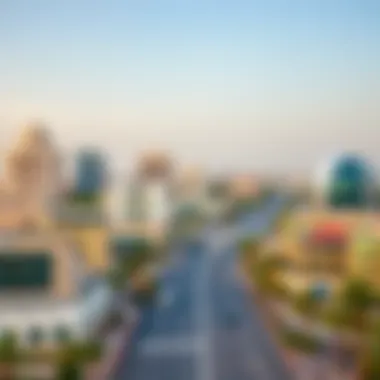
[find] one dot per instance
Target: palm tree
(266, 274)
(72, 358)
(357, 298)
(307, 304)
(351, 311)
(9, 354)
(132, 262)
(137, 259)
(370, 358)
(117, 279)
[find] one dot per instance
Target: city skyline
(229, 86)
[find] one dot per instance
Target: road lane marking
(187, 345)
(202, 311)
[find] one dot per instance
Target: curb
(110, 372)
(267, 319)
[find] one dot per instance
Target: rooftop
(329, 232)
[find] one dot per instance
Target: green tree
(117, 279)
(300, 341)
(9, 355)
(72, 358)
(88, 199)
(356, 300)
(249, 249)
(335, 315)
(133, 261)
(266, 274)
(307, 304)
(370, 358)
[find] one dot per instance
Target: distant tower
(150, 189)
(90, 172)
(32, 168)
(243, 187)
(191, 184)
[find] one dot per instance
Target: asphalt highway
(204, 324)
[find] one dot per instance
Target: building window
(36, 336)
(62, 334)
(30, 270)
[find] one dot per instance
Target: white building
(46, 293)
(150, 195)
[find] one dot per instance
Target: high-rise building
(149, 201)
(32, 177)
(150, 189)
(90, 172)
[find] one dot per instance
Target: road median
(116, 345)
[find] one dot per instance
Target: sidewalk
(269, 320)
(115, 345)
(310, 368)
(292, 318)
(301, 366)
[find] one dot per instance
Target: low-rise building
(47, 293)
(327, 247)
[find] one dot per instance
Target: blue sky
(254, 75)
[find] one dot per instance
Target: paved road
(204, 325)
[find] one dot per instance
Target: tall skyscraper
(150, 189)
(31, 180)
(90, 172)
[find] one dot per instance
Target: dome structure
(346, 181)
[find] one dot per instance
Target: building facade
(328, 247)
(346, 182)
(31, 182)
(48, 293)
(150, 194)
(90, 173)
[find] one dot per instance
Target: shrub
(300, 341)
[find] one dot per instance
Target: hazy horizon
(230, 85)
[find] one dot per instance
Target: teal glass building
(349, 183)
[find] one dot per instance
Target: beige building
(41, 277)
(243, 186)
(364, 260)
(48, 293)
(88, 228)
(322, 246)
(40, 262)
(31, 179)
(32, 196)
(150, 196)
